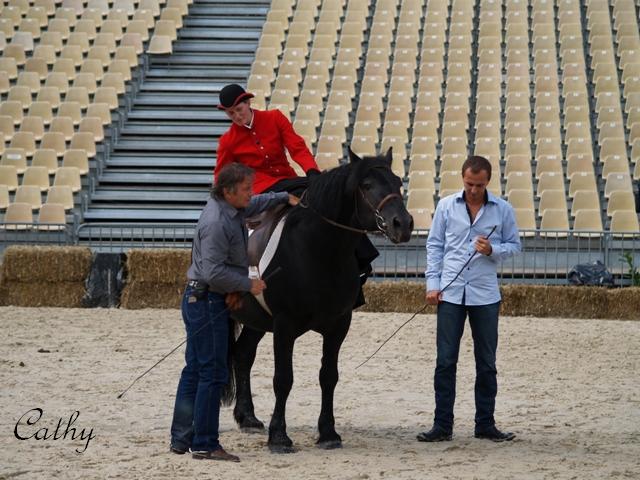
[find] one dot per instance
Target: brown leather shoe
(219, 454)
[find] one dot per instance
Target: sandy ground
(570, 389)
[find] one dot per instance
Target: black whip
(276, 270)
(425, 305)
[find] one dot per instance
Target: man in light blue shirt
(472, 231)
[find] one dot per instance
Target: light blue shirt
(451, 242)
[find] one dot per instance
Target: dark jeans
(484, 328)
(197, 407)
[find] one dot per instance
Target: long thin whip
(424, 306)
(392, 335)
(276, 270)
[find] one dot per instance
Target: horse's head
(379, 201)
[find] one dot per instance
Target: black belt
(197, 284)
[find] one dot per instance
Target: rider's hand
(257, 286)
(293, 200)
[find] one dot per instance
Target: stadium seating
(64, 65)
(440, 101)
(547, 91)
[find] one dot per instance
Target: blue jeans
(197, 407)
(484, 328)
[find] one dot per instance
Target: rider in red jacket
(258, 139)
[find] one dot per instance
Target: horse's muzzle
(399, 227)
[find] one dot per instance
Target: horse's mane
(326, 192)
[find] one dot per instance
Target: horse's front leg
(244, 356)
(283, 341)
(331, 344)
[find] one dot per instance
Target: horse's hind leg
(283, 341)
(245, 354)
(331, 344)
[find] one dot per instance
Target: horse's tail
(228, 395)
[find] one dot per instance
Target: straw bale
(408, 297)
(517, 300)
(42, 294)
(554, 301)
(46, 264)
(139, 294)
(623, 303)
(161, 265)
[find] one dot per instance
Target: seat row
(31, 194)
(19, 216)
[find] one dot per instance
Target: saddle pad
(267, 256)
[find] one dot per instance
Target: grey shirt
(219, 255)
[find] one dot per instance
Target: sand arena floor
(570, 389)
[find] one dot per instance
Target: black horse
(317, 285)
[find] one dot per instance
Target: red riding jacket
(262, 147)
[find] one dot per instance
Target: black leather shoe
(178, 450)
(436, 434)
(495, 435)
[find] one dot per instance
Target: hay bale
(406, 297)
(525, 300)
(43, 294)
(138, 294)
(46, 264)
(623, 303)
(578, 302)
(162, 265)
(553, 301)
(517, 300)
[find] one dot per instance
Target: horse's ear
(353, 158)
(389, 156)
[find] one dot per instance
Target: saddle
(262, 226)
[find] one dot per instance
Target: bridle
(381, 224)
(380, 221)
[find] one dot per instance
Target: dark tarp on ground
(105, 281)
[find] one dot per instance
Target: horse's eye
(366, 185)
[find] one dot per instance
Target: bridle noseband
(380, 221)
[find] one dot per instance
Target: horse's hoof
(282, 449)
(252, 430)
(251, 425)
(329, 444)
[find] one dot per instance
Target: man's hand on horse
(257, 286)
(233, 300)
(434, 297)
(293, 200)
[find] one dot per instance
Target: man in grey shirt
(219, 266)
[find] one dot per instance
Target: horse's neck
(322, 236)
(320, 227)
